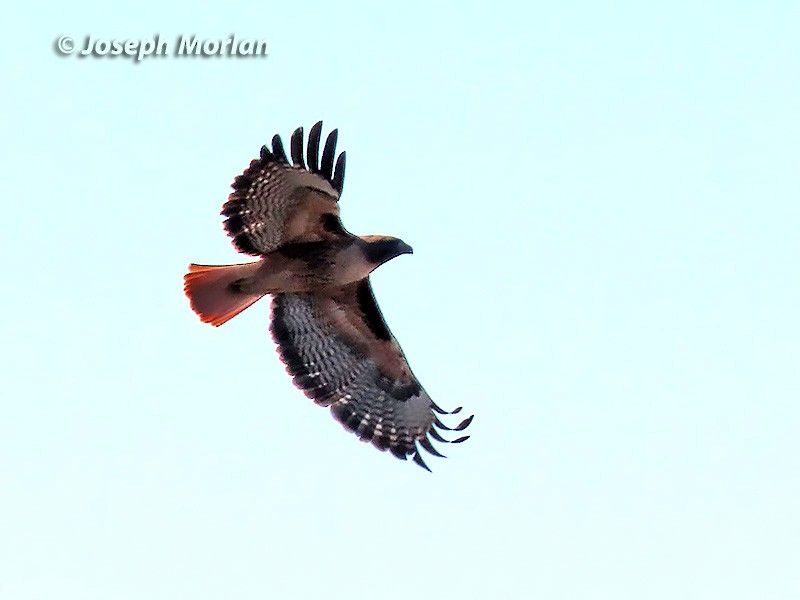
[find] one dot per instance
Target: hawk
(330, 333)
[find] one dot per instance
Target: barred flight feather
(331, 370)
(272, 197)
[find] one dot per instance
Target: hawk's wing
(274, 202)
(341, 354)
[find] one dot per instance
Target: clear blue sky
(603, 203)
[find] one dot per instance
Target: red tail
(209, 290)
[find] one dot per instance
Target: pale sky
(603, 204)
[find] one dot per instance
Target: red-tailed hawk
(330, 332)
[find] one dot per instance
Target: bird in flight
(330, 333)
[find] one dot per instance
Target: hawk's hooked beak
(403, 248)
(379, 250)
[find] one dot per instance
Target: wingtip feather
(328, 153)
(297, 148)
(313, 147)
(277, 149)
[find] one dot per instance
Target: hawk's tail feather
(213, 292)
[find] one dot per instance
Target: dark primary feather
(313, 147)
(297, 148)
(327, 155)
(277, 149)
(338, 176)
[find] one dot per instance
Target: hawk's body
(330, 332)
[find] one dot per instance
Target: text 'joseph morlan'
(186, 45)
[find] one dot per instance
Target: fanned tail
(217, 293)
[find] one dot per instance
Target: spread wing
(341, 353)
(274, 202)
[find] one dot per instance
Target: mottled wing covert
(275, 202)
(340, 352)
